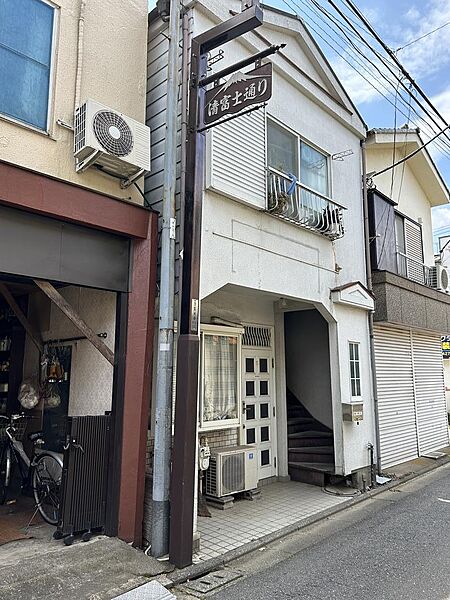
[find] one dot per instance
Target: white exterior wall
(411, 198)
(353, 327)
(113, 73)
(91, 374)
(246, 247)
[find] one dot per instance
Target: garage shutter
(396, 405)
(430, 392)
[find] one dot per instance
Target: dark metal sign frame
(185, 435)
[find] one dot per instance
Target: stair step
(309, 466)
(304, 425)
(313, 454)
(304, 439)
(295, 420)
(311, 434)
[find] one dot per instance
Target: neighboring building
(284, 307)
(412, 308)
(79, 228)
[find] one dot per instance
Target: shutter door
(430, 392)
(238, 158)
(414, 252)
(396, 406)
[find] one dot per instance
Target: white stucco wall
(91, 375)
(353, 327)
(406, 191)
(113, 73)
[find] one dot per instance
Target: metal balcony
(412, 269)
(301, 206)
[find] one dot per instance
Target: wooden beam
(51, 292)
(31, 331)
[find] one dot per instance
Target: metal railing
(414, 270)
(293, 202)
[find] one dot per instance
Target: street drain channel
(211, 582)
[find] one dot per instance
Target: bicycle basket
(19, 430)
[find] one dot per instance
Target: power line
(399, 162)
(422, 37)
(441, 144)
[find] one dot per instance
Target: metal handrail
(303, 206)
(424, 278)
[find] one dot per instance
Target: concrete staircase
(311, 448)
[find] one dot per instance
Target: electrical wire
(422, 37)
(441, 146)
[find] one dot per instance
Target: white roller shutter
(430, 391)
(237, 165)
(396, 403)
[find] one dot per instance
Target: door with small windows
(258, 406)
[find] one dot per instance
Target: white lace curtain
(220, 378)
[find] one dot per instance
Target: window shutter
(238, 158)
(414, 251)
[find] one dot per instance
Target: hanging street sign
(238, 93)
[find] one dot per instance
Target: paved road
(394, 546)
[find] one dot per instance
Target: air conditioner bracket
(125, 183)
(88, 161)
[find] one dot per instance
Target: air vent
(233, 473)
(259, 337)
(113, 133)
(80, 128)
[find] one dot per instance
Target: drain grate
(211, 582)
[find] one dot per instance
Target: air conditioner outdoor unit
(231, 470)
(439, 278)
(105, 137)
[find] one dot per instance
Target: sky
(428, 61)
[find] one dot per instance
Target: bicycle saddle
(35, 435)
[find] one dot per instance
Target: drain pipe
(370, 287)
(80, 52)
(163, 402)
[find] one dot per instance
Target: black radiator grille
(84, 487)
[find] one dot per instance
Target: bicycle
(43, 470)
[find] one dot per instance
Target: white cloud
(423, 59)
(441, 217)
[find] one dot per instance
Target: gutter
(370, 316)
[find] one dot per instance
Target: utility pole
(163, 404)
(185, 439)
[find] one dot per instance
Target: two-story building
(76, 245)
(411, 290)
(284, 307)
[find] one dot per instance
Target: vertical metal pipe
(370, 287)
(163, 402)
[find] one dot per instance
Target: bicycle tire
(5, 472)
(47, 475)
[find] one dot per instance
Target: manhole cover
(211, 582)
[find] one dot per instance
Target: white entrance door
(258, 398)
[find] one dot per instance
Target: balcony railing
(293, 202)
(413, 269)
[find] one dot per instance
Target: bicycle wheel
(5, 471)
(47, 474)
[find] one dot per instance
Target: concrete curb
(180, 576)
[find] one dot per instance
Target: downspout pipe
(164, 352)
(80, 53)
(370, 288)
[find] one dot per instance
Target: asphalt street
(394, 546)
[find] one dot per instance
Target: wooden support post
(52, 293)
(34, 335)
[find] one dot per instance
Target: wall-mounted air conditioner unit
(107, 138)
(231, 470)
(439, 278)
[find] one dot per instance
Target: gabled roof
(295, 24)
(423, 166)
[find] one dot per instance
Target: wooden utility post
(185, 438)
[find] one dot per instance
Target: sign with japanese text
(241, 91)
(445, 346)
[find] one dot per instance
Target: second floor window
(289, 154)
(26, 34)
(355, 371)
